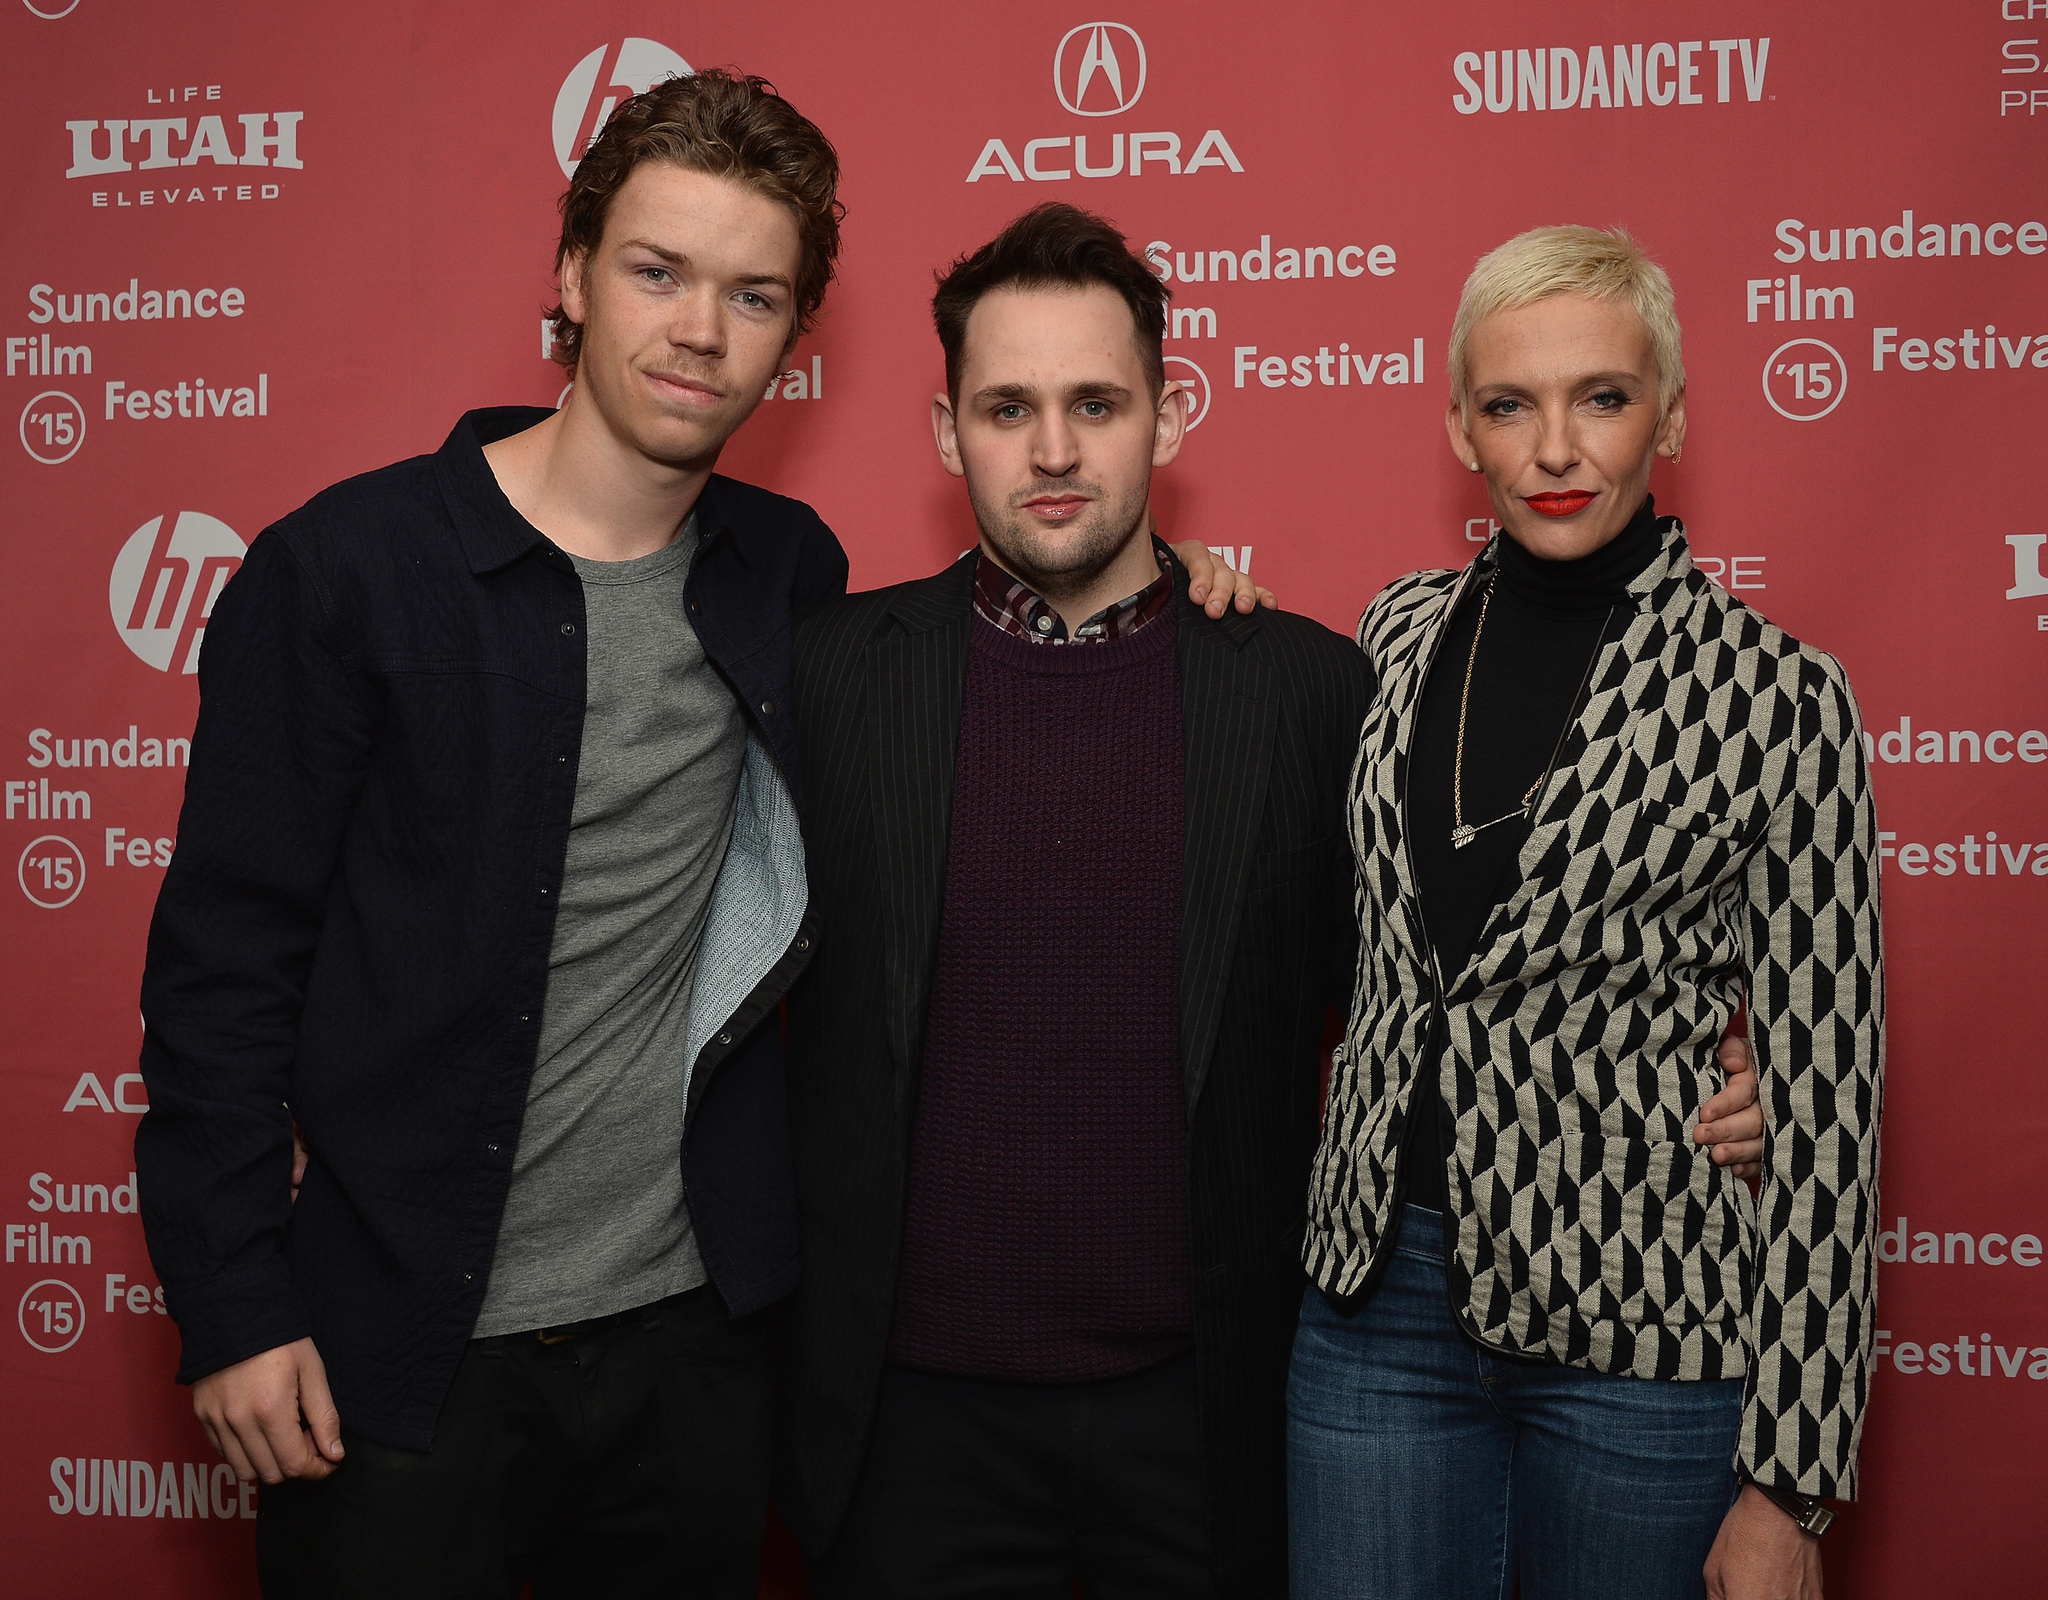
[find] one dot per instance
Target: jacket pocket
(1693, 820)
(1650, 1231)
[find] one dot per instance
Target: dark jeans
(1011, 1492)
(624, 1462)
(1422, 1467)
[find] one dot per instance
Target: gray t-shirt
(596, 1221)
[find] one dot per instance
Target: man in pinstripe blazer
(1078, 856)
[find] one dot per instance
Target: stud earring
(1473, 465)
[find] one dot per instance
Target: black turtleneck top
(1546, 621)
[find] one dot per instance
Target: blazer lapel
(916, 678)
(1228, 720)
(1572, 809)
(1404, 705)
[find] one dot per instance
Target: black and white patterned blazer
(1708, 831)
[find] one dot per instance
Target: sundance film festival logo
(165, 582)
(1087, 59)
(52, 427)
(1805, 379)
(596, 85)
(51, 1315)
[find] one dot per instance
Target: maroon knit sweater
(1045, 1235)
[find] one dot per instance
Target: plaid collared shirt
(1012, 606)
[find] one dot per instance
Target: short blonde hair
(1600, 263)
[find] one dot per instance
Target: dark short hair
(1053, 246)
(726, 125)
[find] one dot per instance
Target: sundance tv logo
(1087, 57)
(592, 91)
(165, 582)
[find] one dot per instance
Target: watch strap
(1813, 1515)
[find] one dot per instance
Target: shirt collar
(1012, 605)
(493, 534)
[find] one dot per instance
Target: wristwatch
(1812, 1514)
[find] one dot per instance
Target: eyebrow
(1617, 376)
(676, 258)
(1023, 391)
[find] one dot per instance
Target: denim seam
(1505, 1581)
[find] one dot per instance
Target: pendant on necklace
(1462, 836)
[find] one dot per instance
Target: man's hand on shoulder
(1207, 571)
(271, 1416)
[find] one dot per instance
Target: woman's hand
(1762, 1554)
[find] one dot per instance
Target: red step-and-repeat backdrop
(251, 249)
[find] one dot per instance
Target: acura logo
(1091, 78)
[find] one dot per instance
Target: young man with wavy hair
(488, 874)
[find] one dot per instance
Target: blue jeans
(1421, 1466)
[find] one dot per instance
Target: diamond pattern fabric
(1708, 836)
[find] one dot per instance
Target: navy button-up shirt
(354, 929)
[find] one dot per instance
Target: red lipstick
(1561, 505)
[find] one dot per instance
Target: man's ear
(574, 266)
(946, 434)
(1169, 423)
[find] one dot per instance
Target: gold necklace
(1462, 832)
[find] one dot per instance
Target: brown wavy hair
(727, 125)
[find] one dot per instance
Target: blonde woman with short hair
(1600, 805)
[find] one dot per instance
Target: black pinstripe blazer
(1272, 705)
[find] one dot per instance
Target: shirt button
(492, 1148)
(568, 628)
(803, 944)
(561, 761)
(526, 1016)
(469, 1277)
(725, 1038)
(767, 708)
(1045, 624)
(543, 894)
(696, 608)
